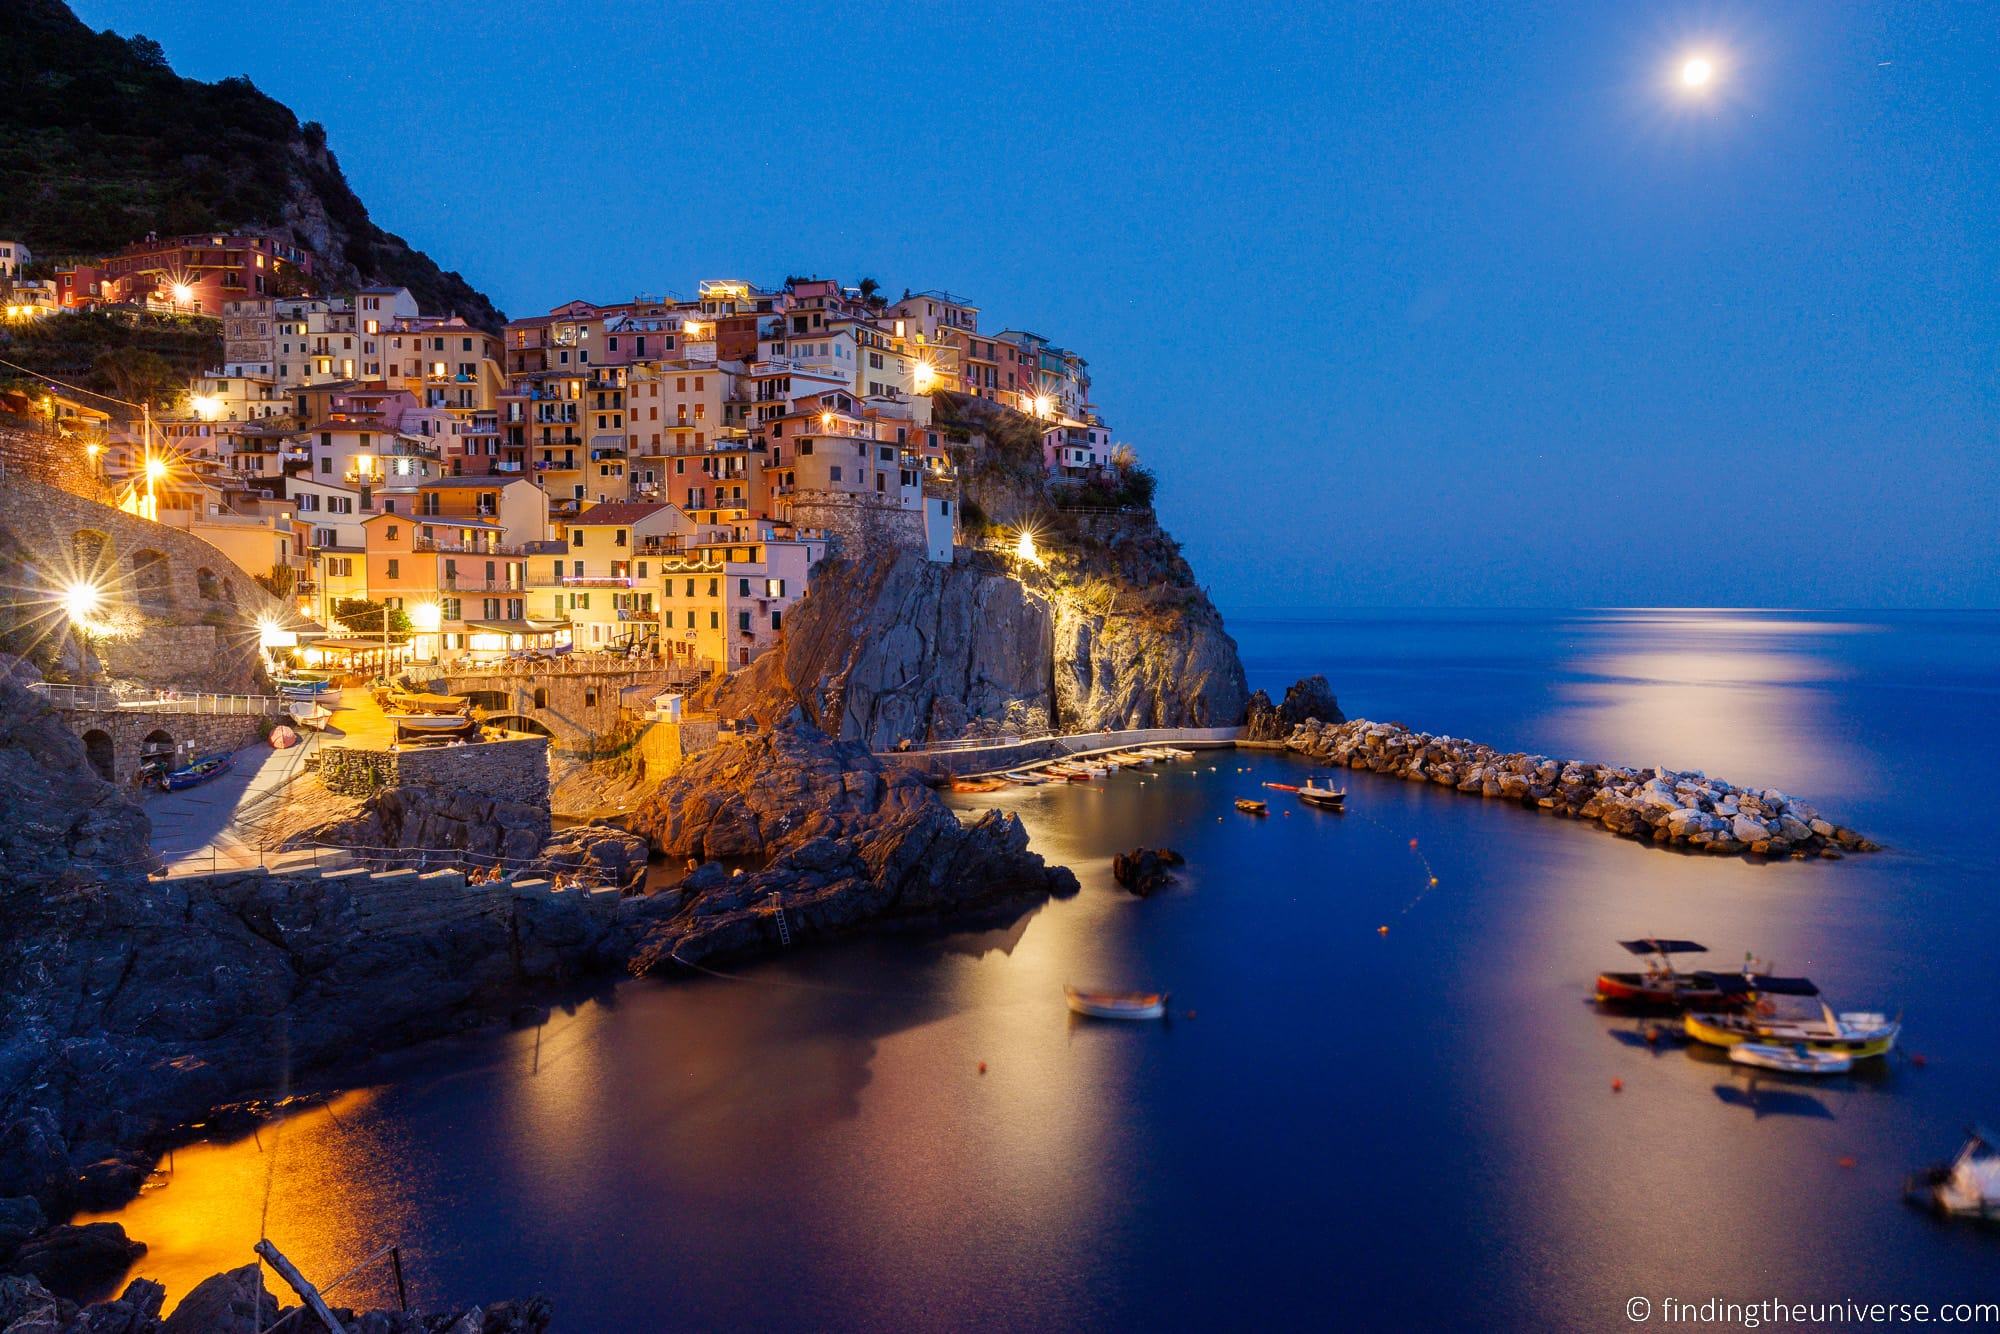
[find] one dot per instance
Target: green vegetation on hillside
(141, 358)
(101, 142)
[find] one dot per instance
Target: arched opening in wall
(206, 584)
(487, 701)
(515, 722)
(102, 754)
(152, 579)
(89, 557)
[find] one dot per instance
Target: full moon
(1697, 72)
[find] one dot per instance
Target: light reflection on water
(1405, 1130)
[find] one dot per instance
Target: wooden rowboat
(1117, 1004)
(1252, 807)
(1283, 787)
(1793, 1060)
(1320, 792)
(203, 769)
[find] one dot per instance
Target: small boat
(1797, 1059)
(297, 686)
(1251, 806)
(1175, 753)
(1661, 985)
(405, 701)
(203, 769)
(309, 715)
(977, 784)
(1133, 757)
(431, 722)
(1283, 787)
(1117, 1004)
(1809, 1022)
(1966, 1187)
(1026, 779)
(1320, 791)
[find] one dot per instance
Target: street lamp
(426, 618)
(80, 600)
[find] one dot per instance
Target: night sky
(1407, 304)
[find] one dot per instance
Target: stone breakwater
(1689, 810)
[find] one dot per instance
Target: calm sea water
(1337, 1127)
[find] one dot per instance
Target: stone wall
(35, 453)
(516, 769)
(177, 611)
(127, 730)
(858, 525)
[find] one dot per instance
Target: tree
(869, 287)
(280, 582)
(362, 617)
(147, 51)
(136, 375)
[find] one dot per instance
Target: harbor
(1305, 1063)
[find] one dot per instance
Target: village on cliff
(654, 478)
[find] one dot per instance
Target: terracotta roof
(620, 512)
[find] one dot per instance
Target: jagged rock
(600, 853)
(71, 1260)
(230, 1303)
(1144, 870)
(1310, 699)
(839, 842)
(59, 822)
(20, 1218)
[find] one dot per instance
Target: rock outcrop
(237, 1302)
(1144, 870)
(825, 839)
(60, 824)
(1692, 810)
(1307, 698)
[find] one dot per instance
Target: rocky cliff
(101, 142)
(61, 826)
(824, 839)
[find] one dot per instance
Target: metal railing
(1072, 743)
(102, 699)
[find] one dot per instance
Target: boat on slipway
(1117, 1004)
(203, 769)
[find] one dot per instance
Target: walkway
(984, 756)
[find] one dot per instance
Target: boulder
(73, 1260)
(1308, 700)
(1144, 870)
(230, 1303)
(20, 1218)
(1749, 829)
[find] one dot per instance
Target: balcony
(595, 580)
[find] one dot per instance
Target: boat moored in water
(1251, 806)
(1966, 1187)
(1797, 1059)
(1663, 986)
(1321, 791)
(1117, 1004)
(1790, 1012)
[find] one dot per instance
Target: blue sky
(1406, 304)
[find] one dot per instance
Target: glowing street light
(1026, 550)
(427, 617)
(181, 293)
(924, 379)
(81, 599)
(1045, 405)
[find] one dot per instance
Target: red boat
(1660, 985)
(1283, 787)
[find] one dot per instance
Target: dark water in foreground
(1399, 1131)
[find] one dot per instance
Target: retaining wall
(192, 734)
(516, 769)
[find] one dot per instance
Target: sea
(1384, 1097)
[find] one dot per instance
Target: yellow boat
(1809, 1021)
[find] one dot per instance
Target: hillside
(101, 142)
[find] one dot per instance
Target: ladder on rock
(784, 928)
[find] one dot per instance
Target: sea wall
(1689, 810)
(515, 770)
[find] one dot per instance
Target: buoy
(1434, 880)
(1918, 1058)
(1652, 1036)
(1381, 930)
(1190, 1014)
(1617, 1086)
(1847, 1162)
(982, 1067)
(1413, 842)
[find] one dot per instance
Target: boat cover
(1738, 984)
(1653, 946)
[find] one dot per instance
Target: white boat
(1133, 757)
(1117, 1004)
(1023, 776)
(1969, 1185)
(1175, 753)
(431, 722)
(309, 715)
(1796, 1059)
(1320, 791)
